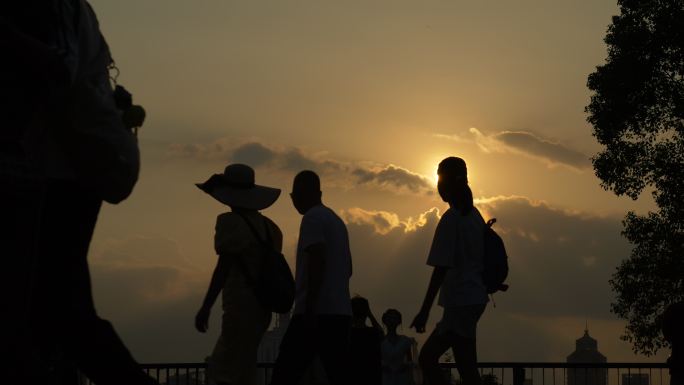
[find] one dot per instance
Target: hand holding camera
(132, 115)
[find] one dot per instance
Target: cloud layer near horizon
(560, 263)
(556, 257)
(552, 153)
(293, 159)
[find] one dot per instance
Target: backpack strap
(245, 271)
(268, 241)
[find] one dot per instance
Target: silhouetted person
(55, 58)
(397, 352)
(245, 319)
(322, 313)
(365, 342)
(673, 331)
(457, 257)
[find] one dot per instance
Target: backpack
(274, 285)
(495, 260)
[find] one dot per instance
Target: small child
(397, 352)
(365, 342)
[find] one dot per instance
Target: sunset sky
(372, 95)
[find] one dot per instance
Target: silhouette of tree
(637, 111)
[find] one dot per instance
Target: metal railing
(561, 373)
(493, 373)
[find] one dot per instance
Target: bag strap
(240, 261)
(245, 271)
(266, 242)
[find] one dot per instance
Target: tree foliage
(637, 112)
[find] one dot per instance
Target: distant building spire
(586, 351)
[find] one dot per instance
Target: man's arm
(315, 261)
(436, 280)
(218, 280)
(375, 323)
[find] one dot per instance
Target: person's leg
(21, 199)
(63, 312)
(428, 359)
(234, 359)
(465, 357)
(464, 346)
(259, 327)
(333, 347)
(295, 355)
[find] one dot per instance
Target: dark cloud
(381, 222)
(560, 261)
(292, 159)
(394, 177)
(551, 152)
(150, 292)
(254, 154)
(554, 153)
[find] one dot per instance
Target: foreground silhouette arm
(315, 261)
(218, 280)
(436, 280)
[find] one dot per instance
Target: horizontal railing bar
(567, 365)
(526, 365)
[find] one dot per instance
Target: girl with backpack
(457, 256)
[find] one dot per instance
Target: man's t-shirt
(321, 225)
(459, 245)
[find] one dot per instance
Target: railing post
(518, 375)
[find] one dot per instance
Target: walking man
(322, 315)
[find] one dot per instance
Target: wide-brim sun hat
(236, 188)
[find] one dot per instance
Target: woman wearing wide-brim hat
(245, 320)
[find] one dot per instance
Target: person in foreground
(322, 313)
(65, 147)
(245, 319)
(457, 257)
